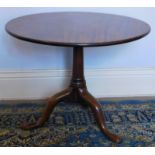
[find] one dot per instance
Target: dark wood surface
(76, 93)
(77, 29)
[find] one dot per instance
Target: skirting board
(40, 84)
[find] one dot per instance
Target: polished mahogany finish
(76, 30)
(76, 92)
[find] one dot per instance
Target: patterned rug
(73, 125)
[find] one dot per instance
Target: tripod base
(77, 92)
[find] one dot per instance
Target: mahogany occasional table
(77, 30)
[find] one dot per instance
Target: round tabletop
(77, 29)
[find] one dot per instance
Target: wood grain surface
(77, 29)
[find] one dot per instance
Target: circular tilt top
(77, 29)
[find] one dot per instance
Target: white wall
(18, 55)
(33, 71)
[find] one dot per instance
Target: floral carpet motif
(74, 125)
